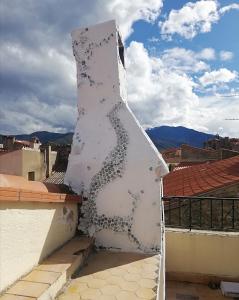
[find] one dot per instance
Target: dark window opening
(31, 176)
(121, 49)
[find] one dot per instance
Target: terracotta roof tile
(17, 188)
(56, 178)
(199, 179)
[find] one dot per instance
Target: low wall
(201, 254)
(31, 228)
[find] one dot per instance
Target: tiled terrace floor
(129, 276)
(187, 291)
(115, 276)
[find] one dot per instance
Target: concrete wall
(202, 253)
(113, 163)
(30, 231)
(20, 162)
(11, 163)
(34, 161)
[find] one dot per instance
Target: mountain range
(163, 137)
(167, 137)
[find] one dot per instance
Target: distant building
(59, 168)
(26, 158)
(218, 143)
(186, 155)
(219, 178)
(11, 143)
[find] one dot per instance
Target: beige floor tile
(84, 279)
(147, 283)
(129, 286)
(77, 288)
(151, 260)
(106, 297)
(14, 297)
(76, 245)
(29, 289)
(116, 276)
(96, 283)
(117, 271)
(90, 294)
(150, 275)
(137, 264)
(69, 297)
(145, 293)
(42, 276)
(52, 266)
(115, 280)
(110, 290)
(132, 277)
(124, 295)
(102, 274)
(150, 268)
(133, 270)
(62, 257)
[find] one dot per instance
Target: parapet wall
(32, 226)
(201, 255)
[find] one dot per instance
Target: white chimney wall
(112, 163)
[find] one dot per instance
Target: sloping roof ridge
(202, 178)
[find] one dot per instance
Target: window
(31, 176)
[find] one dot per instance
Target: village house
(29, 159)
(186, 155)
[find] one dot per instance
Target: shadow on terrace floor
(115, 276)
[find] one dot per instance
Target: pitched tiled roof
(202, 178)
(183, 165)
(17, 188)
(24, 143)
(55, 177)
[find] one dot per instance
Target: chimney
(8, 142)
(48, 161)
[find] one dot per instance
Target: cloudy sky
(182, 60)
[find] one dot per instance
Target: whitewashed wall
(30, 231)
(113, 163)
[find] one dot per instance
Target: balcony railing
(203, 213)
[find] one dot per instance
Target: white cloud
(38, 78)
(126, 12)
(228, 8)
(226, 55)
(193, 18)
(160, 96)
(222, 75)
(184, 60)
(157, 95)
(37, 64)
(207, 54)
(214, 111)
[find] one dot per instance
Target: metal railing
(204, 213)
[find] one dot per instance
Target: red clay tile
(199, 179)
(17, 188)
